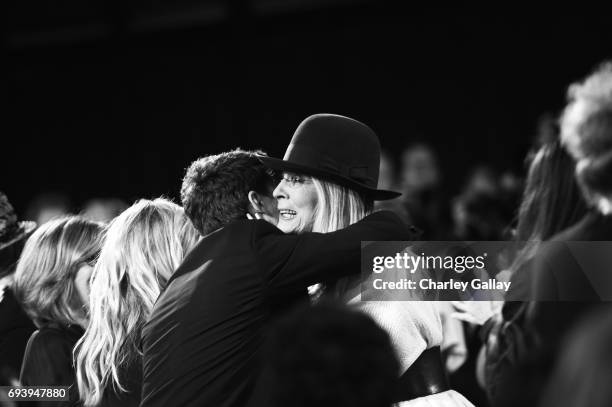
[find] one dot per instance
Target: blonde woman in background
(142, 248)
(51, 283)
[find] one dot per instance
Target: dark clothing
(48, 360)
(131, 380)
(521, 283)
(202, 343)
(429, 211)
(572, 281)
(15, 329)
(593, 227)
(566, 273)
(523, 347)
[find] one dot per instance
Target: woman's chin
(288, 226)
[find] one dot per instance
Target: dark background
(116, 98)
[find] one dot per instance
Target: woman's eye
(293, 180)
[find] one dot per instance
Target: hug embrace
(203, 342)
(208, 303)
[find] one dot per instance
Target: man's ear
(255, 201)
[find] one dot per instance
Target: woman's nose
(280, 192)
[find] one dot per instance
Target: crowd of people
(249, 293)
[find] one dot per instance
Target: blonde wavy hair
(143, 247)
(44, 281)
(337, 207)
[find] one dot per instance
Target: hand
(258, 215)
(476, 312)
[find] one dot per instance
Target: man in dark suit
(202, 343)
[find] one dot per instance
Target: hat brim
(25, 230)
(281, 165)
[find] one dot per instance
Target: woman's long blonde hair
(143, 247)
(337, 207)
(51, 258)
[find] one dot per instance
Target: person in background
(330, 355)
(48, 206)
(387, 180)
(52, 285)
(15, 326)
(142, 248)
(482, 178)
(420, 182)
(479, 215)
(579, 281)
(586, 134)
(103, 209)
(583, 373)
(524, 341)
(485, 208)
(551, 202)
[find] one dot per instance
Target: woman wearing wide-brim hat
(330, 177)
(15, 326)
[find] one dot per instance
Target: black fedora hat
(338, 149)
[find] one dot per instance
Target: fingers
(249, 216)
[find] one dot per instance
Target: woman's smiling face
(297, 201)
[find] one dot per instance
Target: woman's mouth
(287, 214)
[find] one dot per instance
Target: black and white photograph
(300, 203)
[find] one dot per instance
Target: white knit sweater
(413, 326)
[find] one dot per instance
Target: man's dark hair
(215, 188)
(331, 355)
